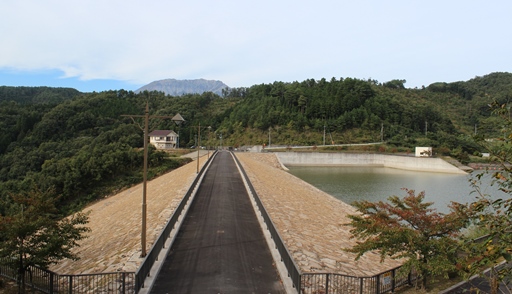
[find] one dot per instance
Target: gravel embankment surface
(114, 242)
(310, 221)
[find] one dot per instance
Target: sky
(98, 45)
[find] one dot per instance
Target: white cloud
(249, 43)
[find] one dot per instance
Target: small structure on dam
(423, 151)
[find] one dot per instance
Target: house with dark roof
(163, 139)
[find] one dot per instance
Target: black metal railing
(46, 281)
(120, 282)
(325, 283)
(152, 256)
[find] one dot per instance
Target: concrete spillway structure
(427, 164)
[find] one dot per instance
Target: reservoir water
(378, 183)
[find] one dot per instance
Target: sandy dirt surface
(114, 244)
(310, 221)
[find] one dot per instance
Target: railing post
(326, 283)
(51, 283)
(361, 281)
(377, 290)
(124, 283)
(138, 286)
(393, 275)
(70, 290)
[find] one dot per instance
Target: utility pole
(382, 132)
(209, 140)
(324, 135)
(178, 120)
(268, 137)
(198, 145)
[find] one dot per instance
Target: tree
(408, 229)
(493, 215)
(395, 84)
(32, 233)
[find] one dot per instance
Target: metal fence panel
(330, 283)
(46, 281)
(97, 283)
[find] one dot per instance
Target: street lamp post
(178, 119)
(198, 143)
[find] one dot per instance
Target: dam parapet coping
(426, 164)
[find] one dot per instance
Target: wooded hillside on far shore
(81, 145)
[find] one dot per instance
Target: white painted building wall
(423, 151)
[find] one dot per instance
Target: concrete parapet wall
(427, 164)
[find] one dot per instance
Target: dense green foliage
(356, 111)
(32, 95)
(82, 146)
(33, 233)
(493, 215)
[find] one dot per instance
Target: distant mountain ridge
(175, 87)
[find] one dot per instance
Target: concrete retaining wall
(427, 164)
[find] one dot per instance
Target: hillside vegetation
(81, 145)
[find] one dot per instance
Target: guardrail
(159, 244)
(286, 257)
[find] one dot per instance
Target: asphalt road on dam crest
(220, 247)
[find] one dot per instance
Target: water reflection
(378, 183)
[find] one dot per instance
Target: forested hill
(355, 110)
(27, 95)
(83, 141)
(497, 84)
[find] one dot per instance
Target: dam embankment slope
(426, 164)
